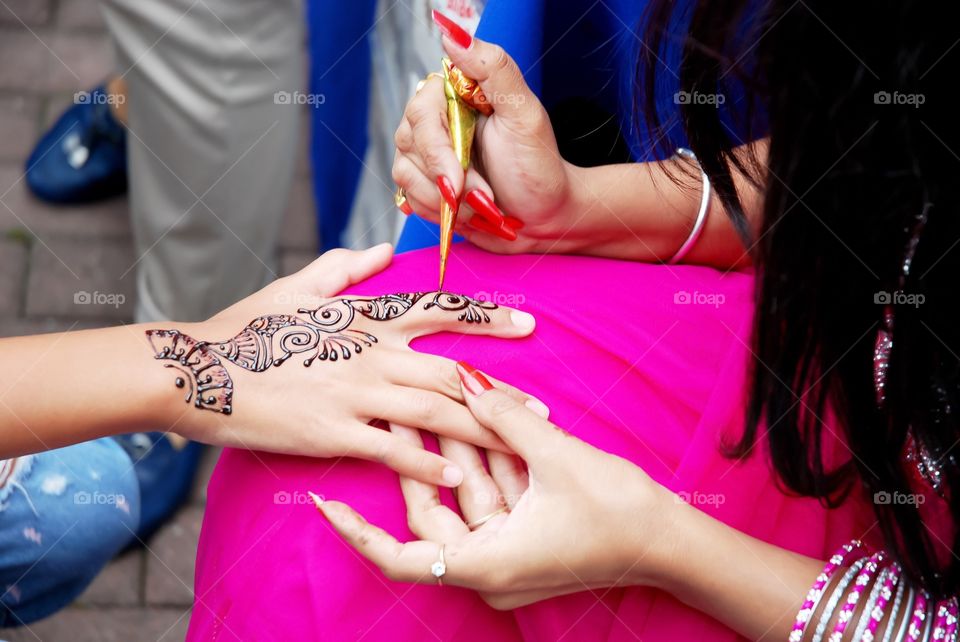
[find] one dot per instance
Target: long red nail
(483, 205)
(484, 225)
(452, 30)
(406, 209)
(447, 192)
(513, 222)
(473, 380)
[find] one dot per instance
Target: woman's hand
(290, 370)
(516, 170)
(587, 519)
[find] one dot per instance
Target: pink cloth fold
(648, 362)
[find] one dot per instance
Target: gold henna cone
(462, 120)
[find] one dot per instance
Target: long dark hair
(864, 136)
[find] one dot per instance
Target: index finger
(427, 115)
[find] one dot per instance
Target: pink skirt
(648, 362)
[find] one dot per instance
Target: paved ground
(48, 254)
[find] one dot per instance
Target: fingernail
(452, 476)
(473, 380)
(317, 500)
(484, 225)
(513, 222)
(538, 407)
(452, 30)
(483, 205)
(523, 320)
(406, 209)
(447, 192)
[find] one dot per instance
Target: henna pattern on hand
(269, 341)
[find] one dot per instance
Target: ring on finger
(439, 568)
(432, 74)
(477, 523)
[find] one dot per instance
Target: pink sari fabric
(644, 361)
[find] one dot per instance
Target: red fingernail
(473, 380)
(513, 222)
(452, 30)
(447, 192)
(483, 205)
(406, 209)
(484, 225)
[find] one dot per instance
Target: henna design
(324, 334)
(474, 310)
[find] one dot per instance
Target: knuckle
(418, 111)
(501, 59)
(502, 407)
(424, 408)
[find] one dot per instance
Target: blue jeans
(63, 515)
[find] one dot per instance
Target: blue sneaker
(166, 474)
(83, 158)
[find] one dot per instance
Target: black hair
(863, 138)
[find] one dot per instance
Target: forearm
(69, 387)
(753, 587)
(756, 588)
(638, 212)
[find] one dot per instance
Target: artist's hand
(359, 368)
(583, 519)
(516, 170)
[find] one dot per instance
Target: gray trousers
(211, 150)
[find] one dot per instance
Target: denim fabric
(63, 515)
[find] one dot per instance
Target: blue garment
(340, 72)
(63, 515)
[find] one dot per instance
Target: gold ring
(399, 197)
(432, 74)
(486, 518)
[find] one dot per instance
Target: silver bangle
(931, 616)
(838, 592)
(908, 614)
(701, 213)
(895, 610)
(867, 613)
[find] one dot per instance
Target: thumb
(494, 70)
(521, 425)
(338, 269)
